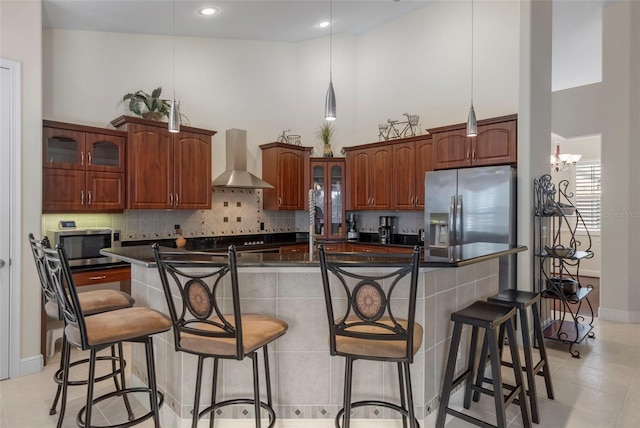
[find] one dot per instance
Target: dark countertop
(460, 255)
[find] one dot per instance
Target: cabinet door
(105, 191)
(319, 186)
(63, 148)
(452, 149)
(495, 144)
(336, 213)
(403, 178)
(380, 188)
(292, 185)
(149, 168)
(63, 190)
(424, 163)
(105, 153)
(192, 171)
(358, 179)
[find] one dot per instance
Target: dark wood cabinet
(368, 172)
(495, 144)
(411, 159)
(166, 170)
(327, 182)
(286, 167)
(84, 168)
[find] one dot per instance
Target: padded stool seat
(521, 300)
(490, 317)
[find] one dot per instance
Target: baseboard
(31, 365)
(617, 315)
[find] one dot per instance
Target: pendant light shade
(174, 116)
(330, 100)
(472, 123)
(330, 104)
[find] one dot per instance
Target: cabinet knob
(82, 197)
(467, 154)
(474, 155)
(170, 198)
(82, 158)
(89, 198)
(177, 199)
(89, 158)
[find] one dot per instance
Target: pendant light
(330, 100)
(472, 123)
(174, 112)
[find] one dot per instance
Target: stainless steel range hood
(236, 174)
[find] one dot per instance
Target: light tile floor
(601, 389)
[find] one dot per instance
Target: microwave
(82, 246)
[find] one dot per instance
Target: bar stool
(191, 282)
(366, 328)
(521, 300)
(102, 331)
(490, 317)
(91, 302)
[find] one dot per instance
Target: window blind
(588, 191)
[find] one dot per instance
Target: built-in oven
(82, 245)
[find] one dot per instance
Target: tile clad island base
(307, 382)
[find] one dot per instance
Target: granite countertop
(455, 256)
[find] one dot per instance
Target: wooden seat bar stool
(92, 302)
(522, 300)
(102, 331)
(371, 326)
(489, 317)
(194, 285)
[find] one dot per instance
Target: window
(588, 190)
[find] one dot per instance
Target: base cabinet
(166, 170)
(286, 167)
(84, 169)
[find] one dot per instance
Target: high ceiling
(284, 21)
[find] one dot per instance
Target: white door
(9, 149)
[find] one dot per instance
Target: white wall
(20, 23)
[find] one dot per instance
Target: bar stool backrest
(61, 278)
(193, 283)
(369, 312)
(48, 291)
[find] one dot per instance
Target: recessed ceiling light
(208, 11)
(324, 24)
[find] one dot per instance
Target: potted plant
(325, 133)
(148, 106)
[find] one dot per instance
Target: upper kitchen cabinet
(286, 167)
(495, 144)
(368, 176)
(412, 158)
(327, 182)
(84, 168)
(166, 170)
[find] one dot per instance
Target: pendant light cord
(471, 52)
(330, 41)
(174, 49)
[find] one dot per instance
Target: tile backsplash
(233, 212)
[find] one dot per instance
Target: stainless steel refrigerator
(473, 205)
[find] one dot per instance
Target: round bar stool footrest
(386, 404)
(235, 401)
(80, 420)
(58, 376)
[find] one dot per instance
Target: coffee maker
(352, 227)
(387, 229)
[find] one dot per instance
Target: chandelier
(562, 162)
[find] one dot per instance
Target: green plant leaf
(156, 92)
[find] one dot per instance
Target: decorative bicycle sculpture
(395, 129)
(288, 139)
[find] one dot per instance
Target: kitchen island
(307, 382)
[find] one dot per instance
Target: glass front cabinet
(327, 182)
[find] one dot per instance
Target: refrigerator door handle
(459, 237)
(452, 214)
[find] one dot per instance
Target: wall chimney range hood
(236, 175)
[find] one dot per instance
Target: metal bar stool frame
(59, 273)
(50, 299)
(198, 320)
(371, 308)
